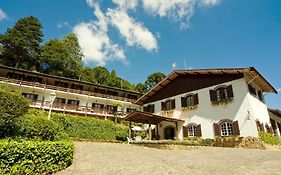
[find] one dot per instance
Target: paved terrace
(124, 159)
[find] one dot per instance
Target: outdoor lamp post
(52, 99)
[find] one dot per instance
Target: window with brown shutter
(198, 131)
(217, 129)
(236, 130)
(213, 96)
(185, 131)
(163, 106)
(196, 99)
(183, 102)
(230, 91)
(173, 104)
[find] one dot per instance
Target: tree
(153, 79)
(21, 44)
(141, 87)
(63, 57)
(97, 75)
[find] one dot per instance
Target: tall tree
(153, 79)
(63, 57)
(21, 44)
(141, 87)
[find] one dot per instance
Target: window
(73, 102)
(111, 108)
(260, 95)
(252, 90)
(32, 97)
(226, 129)
(221, 94)
(191, 131)
(149, 108)
(168, 105)
(60, 100)
(129, 110)
(189, 100)
(97, 105)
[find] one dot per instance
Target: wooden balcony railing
(68, 90)
(69, 107)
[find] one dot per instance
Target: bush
(269, 138)
(207, 142)
(86, 128)
(12, 106)
(34, 157)
(40, 127)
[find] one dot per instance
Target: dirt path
(123, 159)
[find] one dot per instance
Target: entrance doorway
(169, 132)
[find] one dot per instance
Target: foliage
(21, 44)
(63, 57)
(40, 127)
(12, 106)
(153, 79)
(207, 142)
(269, 138)
(34, 157)
(140, 87)
(85, 128)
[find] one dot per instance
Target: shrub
(207, 142)
(40, 127)
(86, 128)
(34, 157)
(269, 138)
(12, 106)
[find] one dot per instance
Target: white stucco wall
(244, 108)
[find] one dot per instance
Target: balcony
(68, 90)
(76, 109)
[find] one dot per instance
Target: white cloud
(279, 90)
(133, 32)
(63, 24)
(209, 2)
(3, 15)
(176, 10)
(95, 43)
(126, 4)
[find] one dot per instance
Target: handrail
(69, 90)
(70, 107)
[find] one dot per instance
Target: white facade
(244, 108)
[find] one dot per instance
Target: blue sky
(139, 37)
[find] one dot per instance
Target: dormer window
(221, 93)
(189, 100)
(168, 105)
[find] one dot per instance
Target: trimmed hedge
(269, 138)
(40, 128)
(86, 128)
(34, 157)
(12, 106)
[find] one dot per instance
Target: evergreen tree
(21, 44)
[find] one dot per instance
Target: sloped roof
(146, 117)
(251, 72)
(276, 112)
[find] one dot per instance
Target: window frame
(226, 129)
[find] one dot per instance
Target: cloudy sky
(139, 37)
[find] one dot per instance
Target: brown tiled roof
(276, 112)
(145, 117)
(251, 72)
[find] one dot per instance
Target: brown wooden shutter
(230, 91)
(163, 106)
(262, 127)
(217, 129)
(236, 130)
(196, 100)
(152, 108)
(183, 102)
(198, 131)
(185, 131)
(173, 104)
(213, 96)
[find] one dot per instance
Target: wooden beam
(130, 129)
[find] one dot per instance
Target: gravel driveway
(123, 159)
